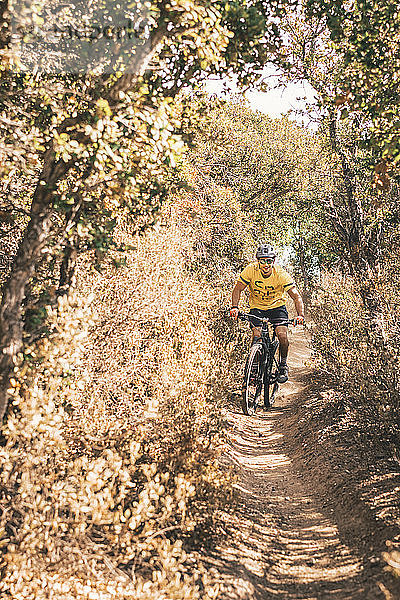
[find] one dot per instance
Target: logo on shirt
(263, 291)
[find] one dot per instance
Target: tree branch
(139, 64)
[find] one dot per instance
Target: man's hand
(234, 312)
(299, 320)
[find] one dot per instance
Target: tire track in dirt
(284, 541)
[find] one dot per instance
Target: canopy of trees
(94, 144)
(366, 37)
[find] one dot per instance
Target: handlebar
(264, 320)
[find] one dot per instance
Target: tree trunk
(305, 292)
(4, 24)
(29, 251)
(67, 269)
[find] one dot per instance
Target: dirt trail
(284, 540)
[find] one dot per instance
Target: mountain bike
(261, 369)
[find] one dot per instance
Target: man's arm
(237, 290)
(298, 302)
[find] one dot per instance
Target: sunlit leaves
(116, 159)
(367, 36)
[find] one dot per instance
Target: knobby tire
(270, 384)
(252, 386)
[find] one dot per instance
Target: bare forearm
(297, 299)
(236, 297)
(299, 305)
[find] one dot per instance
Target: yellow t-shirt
(266, 292)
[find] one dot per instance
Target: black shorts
(277, 316)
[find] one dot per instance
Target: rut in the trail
(284, 543)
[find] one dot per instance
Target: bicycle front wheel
(253, 380)
(271, 385)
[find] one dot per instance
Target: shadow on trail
(282, 544)
(285, 539)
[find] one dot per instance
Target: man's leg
(282, 335)
(255, 328)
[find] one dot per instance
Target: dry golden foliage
(363, 365)
(110, 466)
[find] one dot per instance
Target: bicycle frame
(266, 339)
(266, 347)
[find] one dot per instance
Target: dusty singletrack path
(283, 542)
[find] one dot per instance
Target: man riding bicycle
(269, 285)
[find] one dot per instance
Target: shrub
(110, 460)
(363, 366)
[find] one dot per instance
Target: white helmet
(265, 251)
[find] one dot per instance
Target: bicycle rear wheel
(253, 380)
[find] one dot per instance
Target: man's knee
(283, 337)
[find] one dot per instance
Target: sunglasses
(266, 261)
